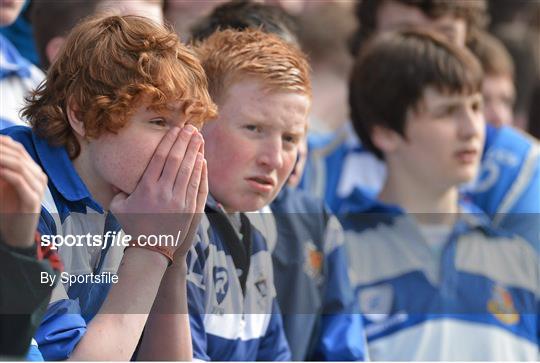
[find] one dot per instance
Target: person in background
(433, 279)
(182, 15)
(338, 163)
(151, 9)
(508, 185)
(18, 76)
(19, 33)
(519, 31)
(50, 35)
(330, 60)
(498, 84)
(244, 14)
(534, 113)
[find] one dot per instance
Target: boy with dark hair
(244, 14)
(433, 279)
(508, 184)
(112, 128)
(261, 85)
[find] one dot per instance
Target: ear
(385, 139)
(53, 47)
(74, 118)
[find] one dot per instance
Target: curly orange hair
(229, 55)
(105, 67)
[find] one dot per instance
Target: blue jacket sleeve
(274, 346)
(62, 326)
(61, 330)
(342, 336)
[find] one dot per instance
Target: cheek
(431, 143)
(289, 160)
(224, 156)
(125, 160)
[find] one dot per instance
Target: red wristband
(164, 251)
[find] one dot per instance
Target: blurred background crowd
(507, 40)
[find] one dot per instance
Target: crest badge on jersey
(221, 283)
(313, 261)
(501, 305)
(376, 302)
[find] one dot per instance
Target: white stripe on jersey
(510, 261)
(452, 340)
(237, 326)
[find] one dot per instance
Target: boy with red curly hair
(114, 127)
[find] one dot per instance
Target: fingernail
(190, 129)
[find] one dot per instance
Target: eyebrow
(457, 102)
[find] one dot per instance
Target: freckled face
(117, 161)
(252, 147)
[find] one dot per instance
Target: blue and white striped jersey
(477, 300)
(233, 316)
(507, 189)
(18, 77)
(69, 209)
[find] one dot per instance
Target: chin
(465, 177)
(254, 204)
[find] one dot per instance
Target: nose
(271, 154)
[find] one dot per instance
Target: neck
(428, 204)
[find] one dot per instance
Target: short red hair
(229, 55)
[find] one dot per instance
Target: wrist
(153, 257)
(163, 251)
(179, 266)
(23, 241)
(26, 250)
